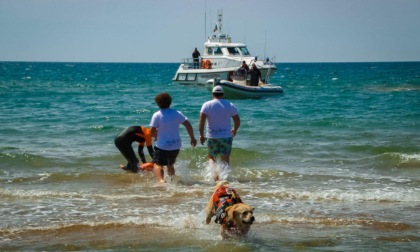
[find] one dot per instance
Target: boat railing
(188, 63)
(267, 76)
(266, 62)
(271, 61)
(221, 38)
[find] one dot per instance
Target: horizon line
(145, 62)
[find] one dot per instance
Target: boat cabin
(221, 44)
(228, 50)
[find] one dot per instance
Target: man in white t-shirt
(219, 132)
(165, 129)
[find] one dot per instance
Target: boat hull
(234, 90)
(190, 76)
(201, 76)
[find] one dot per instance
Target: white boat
(241, 88)
(220, 59)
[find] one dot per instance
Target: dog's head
(220, 184)
(241, 214)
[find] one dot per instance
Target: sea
(332, 164)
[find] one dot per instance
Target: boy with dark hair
(165, 128)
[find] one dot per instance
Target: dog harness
(223, 198)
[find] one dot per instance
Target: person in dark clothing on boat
(255, 75)
(124, 141)
(196, 55)
(242, 72)
(245, 66)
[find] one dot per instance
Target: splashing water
(216, 169)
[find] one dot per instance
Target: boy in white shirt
(165, 129)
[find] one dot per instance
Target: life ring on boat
(207, 64)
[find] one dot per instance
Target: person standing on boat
(242, 72)
(255, 75)
(125, 139)
(245, 66)
(196, 55)
(165, 128)
(219, 132)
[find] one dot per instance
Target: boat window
(244, 50)
(182, 76)
(233, 50)
(191, 77)
(218, 51)
(209, 51)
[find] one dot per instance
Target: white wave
(409, 157)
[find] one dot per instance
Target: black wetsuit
(124, 142)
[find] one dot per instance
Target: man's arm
(141, 153)
(190, 131)
(154, 133)
(236, 124)
(201, 123)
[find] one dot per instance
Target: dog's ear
(231, 211)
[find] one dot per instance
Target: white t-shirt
(219, 112)
(167, 122)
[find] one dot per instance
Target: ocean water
(333, 164)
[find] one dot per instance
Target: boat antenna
(265, 43)
(219, 21)
(205, 20)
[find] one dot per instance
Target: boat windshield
(244, 50)
(215, 50)
(233, 50)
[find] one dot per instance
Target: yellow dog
(231, 213)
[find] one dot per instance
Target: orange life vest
(147, 135)
(224, 197)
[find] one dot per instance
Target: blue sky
(168, 30)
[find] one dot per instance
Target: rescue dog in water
(231, 213)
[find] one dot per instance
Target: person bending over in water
(124, 140)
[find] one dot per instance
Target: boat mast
(218, 35)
